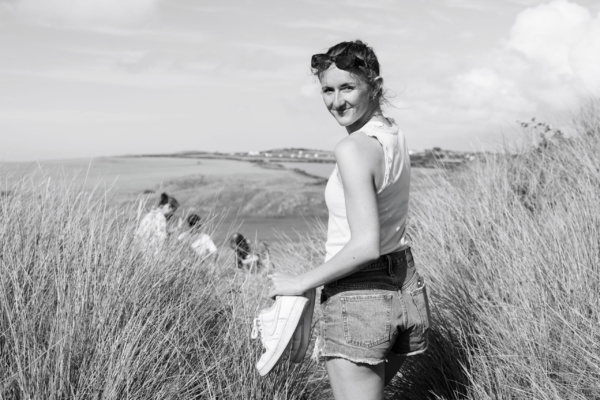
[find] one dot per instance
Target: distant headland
(435, 157)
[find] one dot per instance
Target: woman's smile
(342, 111)
(346, 97)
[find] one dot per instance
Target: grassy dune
(510, 248)
(83, 315)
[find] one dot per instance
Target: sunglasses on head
(348, 61)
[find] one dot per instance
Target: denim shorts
(381, 308)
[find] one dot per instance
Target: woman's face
(348, 98)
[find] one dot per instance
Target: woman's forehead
(334, 76)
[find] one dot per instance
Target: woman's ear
(377, 86)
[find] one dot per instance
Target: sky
(88, 78)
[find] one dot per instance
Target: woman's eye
(348, 88)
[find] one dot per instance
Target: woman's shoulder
(357, 147)
(352, 142)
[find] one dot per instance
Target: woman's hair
(166, 199)
(194, 221)
(237, 241)
(366, 69)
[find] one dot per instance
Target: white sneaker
(277, 325)
(301, 338)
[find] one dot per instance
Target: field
(509, 246)
(263, 201)
(322, 170)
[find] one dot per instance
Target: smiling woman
(351, 97)
(374, 302)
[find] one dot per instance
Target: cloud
(561, 42)
(486, 89)
(82, 13)
(547, 66)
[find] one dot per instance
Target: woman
(240, 246)
(200, 242)
(374, 303)
(244, 256)
(152, 233)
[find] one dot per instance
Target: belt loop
(390, 265)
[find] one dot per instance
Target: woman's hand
(284, 284)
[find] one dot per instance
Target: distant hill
(435, 157)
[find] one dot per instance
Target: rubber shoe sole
(264, 366)
(301, 338)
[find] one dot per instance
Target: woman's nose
(338, 100)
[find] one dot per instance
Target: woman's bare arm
(358, 157)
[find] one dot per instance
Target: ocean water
(129, 174)
(269, 229)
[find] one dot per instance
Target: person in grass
(244, 257)
(374, 302)
(152, 232)
(200, 242)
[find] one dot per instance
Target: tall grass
(510, 246)
(83, 315)
(512, 249)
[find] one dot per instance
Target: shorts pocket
(366, 319)
(419, 297)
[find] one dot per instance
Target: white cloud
(83, 12)
(552, 35)
(560, 42)
(547, 66)
(486, 89)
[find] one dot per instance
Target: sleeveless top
(392, 196)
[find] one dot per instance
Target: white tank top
(392, 196)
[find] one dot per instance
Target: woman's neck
(375, 115)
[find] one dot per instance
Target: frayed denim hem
(319, 355)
